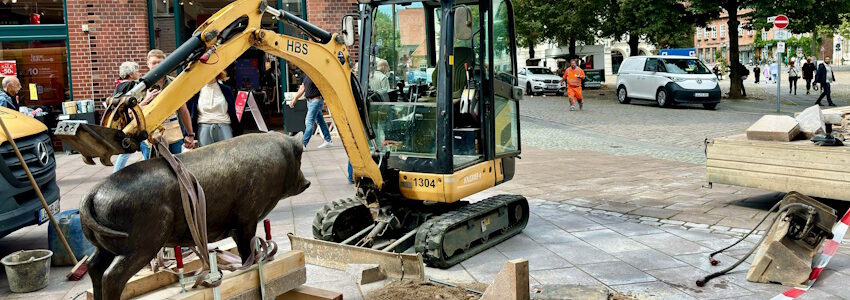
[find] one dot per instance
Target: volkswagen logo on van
(699, 81)
(42, 153)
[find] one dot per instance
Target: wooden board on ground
(147, 281)
(780, 166)
(774, 128)
(286, 272)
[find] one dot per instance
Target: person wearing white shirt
(214, 111)
(379, 81)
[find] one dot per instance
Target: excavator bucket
(339, 256)
(91, 141)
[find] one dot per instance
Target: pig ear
(298, 148)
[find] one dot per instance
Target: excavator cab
(440, 85)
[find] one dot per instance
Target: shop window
(31, 12)
(42, 68)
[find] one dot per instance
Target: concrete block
(774, 128)
(365, 273)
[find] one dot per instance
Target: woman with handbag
(793, 75)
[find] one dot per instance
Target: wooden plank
(511, 283)
(780, 183)
(146, 282)
(310, 293)
(766, 160)
(780, 170)
(237, 283)
(802, 145)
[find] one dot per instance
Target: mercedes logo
(42, 153)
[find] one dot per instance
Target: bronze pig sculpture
(138, 210)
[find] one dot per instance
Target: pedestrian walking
(172, 131)
(573, 76)
(766, 74)
(793, 75)
(824, 77)
(808, 69)
(774, 71)
(9, 93)
(757, 73)
(315, 103)
(128, 73)
(716, 71)
(213, 111)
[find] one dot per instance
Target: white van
(667, 80)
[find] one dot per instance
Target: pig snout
(303, 183)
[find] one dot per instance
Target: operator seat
(463, 55)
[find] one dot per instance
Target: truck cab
(19, 203)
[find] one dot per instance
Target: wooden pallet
(798, 166)
(284, 275)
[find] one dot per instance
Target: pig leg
(122, 269)
(97, 264)
(242, 236)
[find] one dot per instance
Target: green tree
(665, 23)
(529, 28)
(567, 22)
(819, 17)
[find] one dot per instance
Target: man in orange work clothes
(573, 76)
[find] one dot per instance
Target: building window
(699, 33)
(713, 31)
(722, 31)
(740, 30)
(40, 65)
(31, 12)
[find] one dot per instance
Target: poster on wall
(8, 68)
(44, 70)
(247, 74)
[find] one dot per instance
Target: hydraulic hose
(714, 262)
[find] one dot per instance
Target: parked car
(19, 203)
(539, 80)
(667, 80)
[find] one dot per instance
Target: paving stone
(565, 275)
(649, 259)
(670, 244)
(701, 261)
(569, 291)
(661, 213)
(701, 218)
(574, 223)
(696, 225)
(694, 234)
(652, 290)
(617, 207)
(629, 229)
(650, 219)
(613, 273)
(719, 228)
(485, 265)
(833, 283)
(580, 253)
(673, 222)
(609, 241)
(539, 258)
(548, 233)
(684, 278)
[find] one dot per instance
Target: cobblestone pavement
(565, 241)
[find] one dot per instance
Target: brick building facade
(117, 32)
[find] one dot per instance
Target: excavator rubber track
(454, 236)
(350, 213)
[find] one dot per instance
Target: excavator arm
(216, 44)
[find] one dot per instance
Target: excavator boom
(217, 43)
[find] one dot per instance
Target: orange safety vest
(574, 77)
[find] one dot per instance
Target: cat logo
(471, 178)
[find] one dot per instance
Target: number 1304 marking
(423, 182)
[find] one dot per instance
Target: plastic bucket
(27, 270)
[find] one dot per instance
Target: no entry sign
(781, 21)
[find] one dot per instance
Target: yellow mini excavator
(430, 116)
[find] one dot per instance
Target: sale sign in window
(8, 68)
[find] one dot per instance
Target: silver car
(539, 80)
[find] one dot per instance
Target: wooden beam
(310, 293)
(143, 284)
(511, 283)
(287, 271)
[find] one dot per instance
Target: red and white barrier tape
(821, 259)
